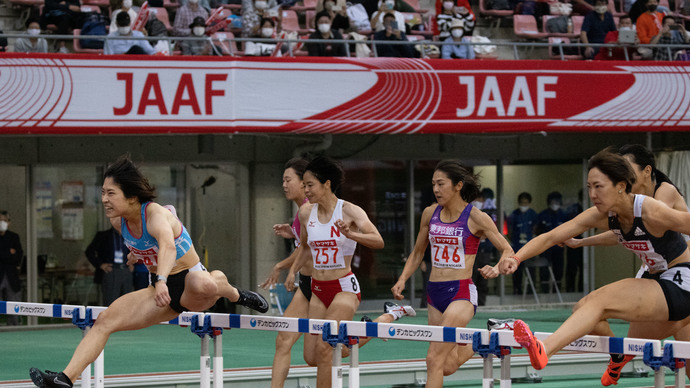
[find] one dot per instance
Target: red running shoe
(537, 353)
(613, 371)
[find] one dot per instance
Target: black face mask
(651, 8)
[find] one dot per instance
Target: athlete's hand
(573, 242)
(162, 296)
(397, 290)
(489, 272)
(343, 228)
(131, 259)
(507, 265)
(271, 279)
(290, 282)
(283, 230)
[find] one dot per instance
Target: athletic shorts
(675, 283)
(305, 286)
(441, 294)
(328, 289)
(175, 285)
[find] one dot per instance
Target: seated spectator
(392, 32)
(341, 22)
(29, 44)
(595, 26)
(252, 13)
(125, 46)
(457, 35)
(324, 31)
(267, 31)
(616, 53)
(671, 33)
(65, 14)
(201, 46)
(185, 16)
(648, 26)
(125, 6)
(389, 6)
(449, 12)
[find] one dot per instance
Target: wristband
(516, 259)
(162, 278)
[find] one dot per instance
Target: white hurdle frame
(672, 355)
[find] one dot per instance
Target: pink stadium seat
(162, 15)
(170, 4)
(577, 24)
(525, 26)
(291, 23)
(495, 14)
(614, 12)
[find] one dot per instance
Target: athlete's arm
(486, 227)
(366, 233)
(607, 238)
(275, 271)
(669, 195)
(659, 218)
(159, 226)
(415, 258)
(302, 253)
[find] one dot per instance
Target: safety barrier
(488, 344)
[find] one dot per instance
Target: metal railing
(425, 43)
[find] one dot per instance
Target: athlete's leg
(133, 311)
(342, 308)
(683, 334)
(602, 328)
(445, 358)
(298, 308)
(203, 289)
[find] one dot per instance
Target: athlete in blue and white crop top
(145, 248)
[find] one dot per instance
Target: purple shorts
(441, 294)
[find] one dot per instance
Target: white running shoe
(398, 311)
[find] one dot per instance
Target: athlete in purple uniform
(156, 237)
(453, 227)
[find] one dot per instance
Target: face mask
(3, 226)
(198, 31)
(266, 32)
(127, 4)
(651, 7)
(523, 209)
(389, 4)
(600, 9)
(324, 28)
(626, 28)
(457, 32)
(123, 30)
(33, 31)
(478, 204)
(555, 207)
(260, 4)
(448, 5)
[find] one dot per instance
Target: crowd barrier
(488, 344)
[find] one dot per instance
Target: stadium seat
(545, 18)
(162, 15)
(171, 5)
(76, 43)
(310, 19)
(577, 24)
(415, 4)
(554, 53)
(291, 23)
(614, 11)
(307, 5)
(496, 15)
(525, 26)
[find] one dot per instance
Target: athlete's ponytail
(643, 157)
(456, 172)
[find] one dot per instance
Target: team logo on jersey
(639, 232)
(311, 224)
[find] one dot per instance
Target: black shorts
(175, 289)
(677, 299)
(305, 286)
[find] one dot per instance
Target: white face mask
(193, 1)
(266, 32)
(389, 4)
(3, 226)
(324, 28)
(457, 32)
(626, 28)
(123, 30)
(127, 4)
(260, 4)
(523, 209)
(33, 31)
(448, 5)
(600, 9)
(198, 31)
(555, 207)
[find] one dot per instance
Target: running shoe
(253, 300)
(398, 311)
(366, 318)
(500, 324)
(613, 371)
(524, 336)
(49, 379)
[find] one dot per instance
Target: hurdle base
(532, 377)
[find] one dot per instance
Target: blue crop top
(145, 248)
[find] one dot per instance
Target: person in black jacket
(108, 253)
(65, 15)
(393, 32)
(325, 31)
(11, 254)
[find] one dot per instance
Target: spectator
(252, 13)
(457, 50)
(124, 46)
(392, 32)
(450, 11)
(126, 6)
(596, 25)
(341, 22)
(108, 254)
(267, 31)
(549, 219)
(521, 225)
(185, 16)
(325, 49)
(385, 7)
(486, 252)
(649, 23)
(670, 33)
(31, 45)
(200, 46)
(11, 254)
(616, 53)
(65, 14)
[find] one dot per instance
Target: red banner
(83, 94)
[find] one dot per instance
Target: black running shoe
(366, 319)
(253, 300)
(49, 379)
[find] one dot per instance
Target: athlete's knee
(324, 352)
(284, 342)
(204, 287)
(310, 358)
(219, 277)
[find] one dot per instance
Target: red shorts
(326, 290)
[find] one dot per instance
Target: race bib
(447, 252)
